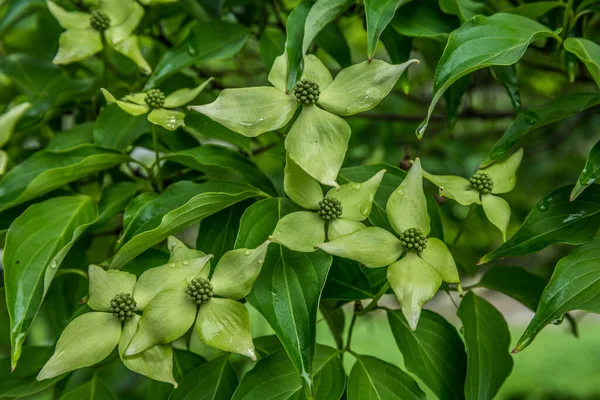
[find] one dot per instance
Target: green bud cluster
(306, 91)
(201, 290)
(482, 182)
(99, 20)
(330, 208)
(155, 98)
(413, 239)
(123, 306)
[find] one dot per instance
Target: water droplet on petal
(186, 262)
(355, 186)
(248, 252)
(400, 192)
(172, 265)
(365, 210)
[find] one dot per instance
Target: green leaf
(294, 41)
(66, 140)
(17, 10)
(424, 19)
(346, 281)
(372, 378)
(217, 232)
(51, 228)
(469, 49)
(464, 9)
(526, 122)
(95, 389)
(47, 170)
(114, 199)
(9, 120)
(434, 352)
(507, 75)
(289, 286)
(574, 286)
(213, 40)
(179, 206)
(334, 315)
(272, 44)
(332, 40)
(215, 380)
(274, 377)
(379, 13)
(488, 339)
(221, 163)
(515, 282)
(321, 14)
(536, 9)
(22, 381)
(590, 172)
(588, 52)
(555, 219)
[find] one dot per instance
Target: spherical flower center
(413, 239)
(155, 98)
(482, 182)
(123, 306)
(99, 20)
(330, 208)
(306, 91)
(201, 290)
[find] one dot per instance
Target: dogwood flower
(157, 106)
(318, 139)
(498, 178)
(337, 213)
(175, 295)
(417, 264)
(91, 337)
(113, 23)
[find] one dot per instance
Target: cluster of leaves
(292, 189)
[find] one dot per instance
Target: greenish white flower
(481, 189)
(318, 139)
(8, 122)
(337, 213)
(417, 264)
(114, 19)
(157, 105)
(181, 292)
(91, 337)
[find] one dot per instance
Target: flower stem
(357, 308)
(104, 62)
(159, 181)
(373, 302)
(65, 271)
(195, 10)
(462, 227)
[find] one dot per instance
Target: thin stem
(373, 302)
(65, 271)
(104, 61)
(565, 21)
(327, 231)
(357, 308)
(462, 227)
(159, 181)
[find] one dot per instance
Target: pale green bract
(169, 312)
(134, 104)
(414, 277)
(9, 120)
(318, 139)
(496, 209)
(81, 41)
(302, 230)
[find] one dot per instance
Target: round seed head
(123, 306)
(99, 20)
(413, 239)
(329, 209)
(155, 98)
(482, 182)
(306, 91)
(201, 290)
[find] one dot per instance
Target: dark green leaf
(274, 377)
(398, 46)
(78, 135)
(507, 75)
(217, 232)
(288, 289)
(36, 244)
(434, 352)
(372, 378)
(588, 52)
(272, 44)
(266, 345)
(453, 97)
(379, 13)
(47, 170)
(423, 19)
(18, 9)
(93, 390)
(591, 172)
(515, 282)
(347, 281)
(215, 380)
(488, 340)
(22, 381)
(114, 199)
(464, 9)
(220, 163)
(203, 128)
(470, 49)
(332, 40)
(335, 318)
(116, 129)
(179, 206)
(574, 285)
(321, 14)
(555, 219)
(526, 122)
(536, 9)
(294, 38)
(206, 41)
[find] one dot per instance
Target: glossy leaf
(215, 380)
(591, 172)
(372, 378)
(289, 286)
(424, 19)
(464, 9)
(346, 281)
(468, 49)
(17, 10)
(114, 199)
(526, 122)
(272, 44)
(95, 389)
(515, 282)
(22, 381)
(116, 129)
(379, 13)
(573, 286)
(179, 206)
(321, 14)
(434, 352)
(217, 232)
(507, 75)
(294, 42)
(51, 228)
(536, 9)
(555, 219)
(487, 339)
(47, 170)
(588, 52)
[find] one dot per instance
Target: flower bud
(306, 91)
(482, 182)
(413, 239)
(155, 98)
(329, 209)
(99, 20)
(201, 290)
(123, 306)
